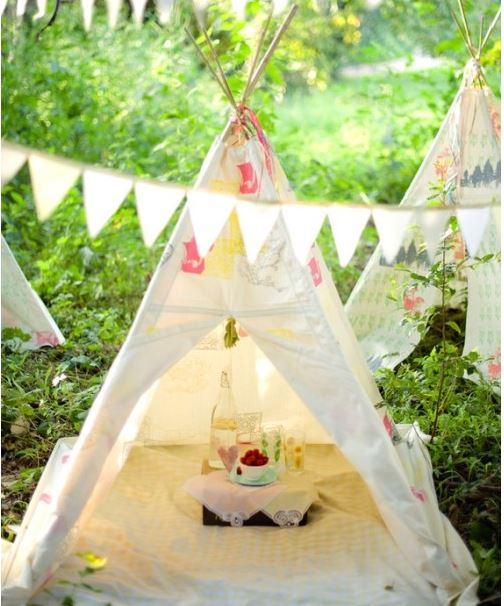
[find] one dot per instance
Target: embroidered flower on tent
(419, 494)
(443, 163)
(45, 497)
(494, 367)
(411, 302)
(387, 423)
(45, 337)
(496, 123)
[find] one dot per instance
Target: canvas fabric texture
(464, 163)
(22, 307)
(297, 360)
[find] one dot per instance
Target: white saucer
(268, 477)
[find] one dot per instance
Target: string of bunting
(104, 190)
(164, 9)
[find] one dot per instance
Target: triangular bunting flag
(41, 9)
(209, 213)
(473, 222)
(87, 13)
(51, 179)
(391, 226)
(155, 205)
(347, 224)
(164, 10)
(138, 10)
(12, 161)
(3, 4)
(103, 195)
(303, 222)
(256, 222)
(432, 222)
(21, 7)
(113, 10)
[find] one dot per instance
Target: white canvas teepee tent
(376, 536)
(22, 308)
(463, 166)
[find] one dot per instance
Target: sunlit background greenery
(344, 122)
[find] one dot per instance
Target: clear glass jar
(223, 423)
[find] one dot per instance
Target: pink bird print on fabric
(192, 262)
(249, 181)
(315, 271)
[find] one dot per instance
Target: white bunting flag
(239, 6)
(164, 10)
(391, 225)
(87, 13)
(113, 10)
(303, 222)
(103, 195)
(432, 222)
(51, 179)
(12, 161)
(3, 4)
(209, 212)
(21, 7)
(156, 205)
(138, 10)
(473, 222)
(347, 224)
(256, 222)
(41, 9)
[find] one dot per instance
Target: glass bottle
(223, 423)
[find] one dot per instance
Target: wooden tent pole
(480, 39)
(208, 64)
(219, 67)
(491, 28)
(462, 33)
(257, 53)
(466, 26)
(270, 51)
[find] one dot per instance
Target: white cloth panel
(41, 9)
(87, 7)
(155, 205)
(12, 161)
(256, 222)
(347, 225)
(138, 10)
(303, 225)
(473, 222)
(209, 213)
(391, 227)
(51, 180)
(113, 10)
(103, 195)
(433, 224)
(164, 10)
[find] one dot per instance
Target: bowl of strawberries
(253, 465)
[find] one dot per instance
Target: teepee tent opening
(462, 167)
(375, 533)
